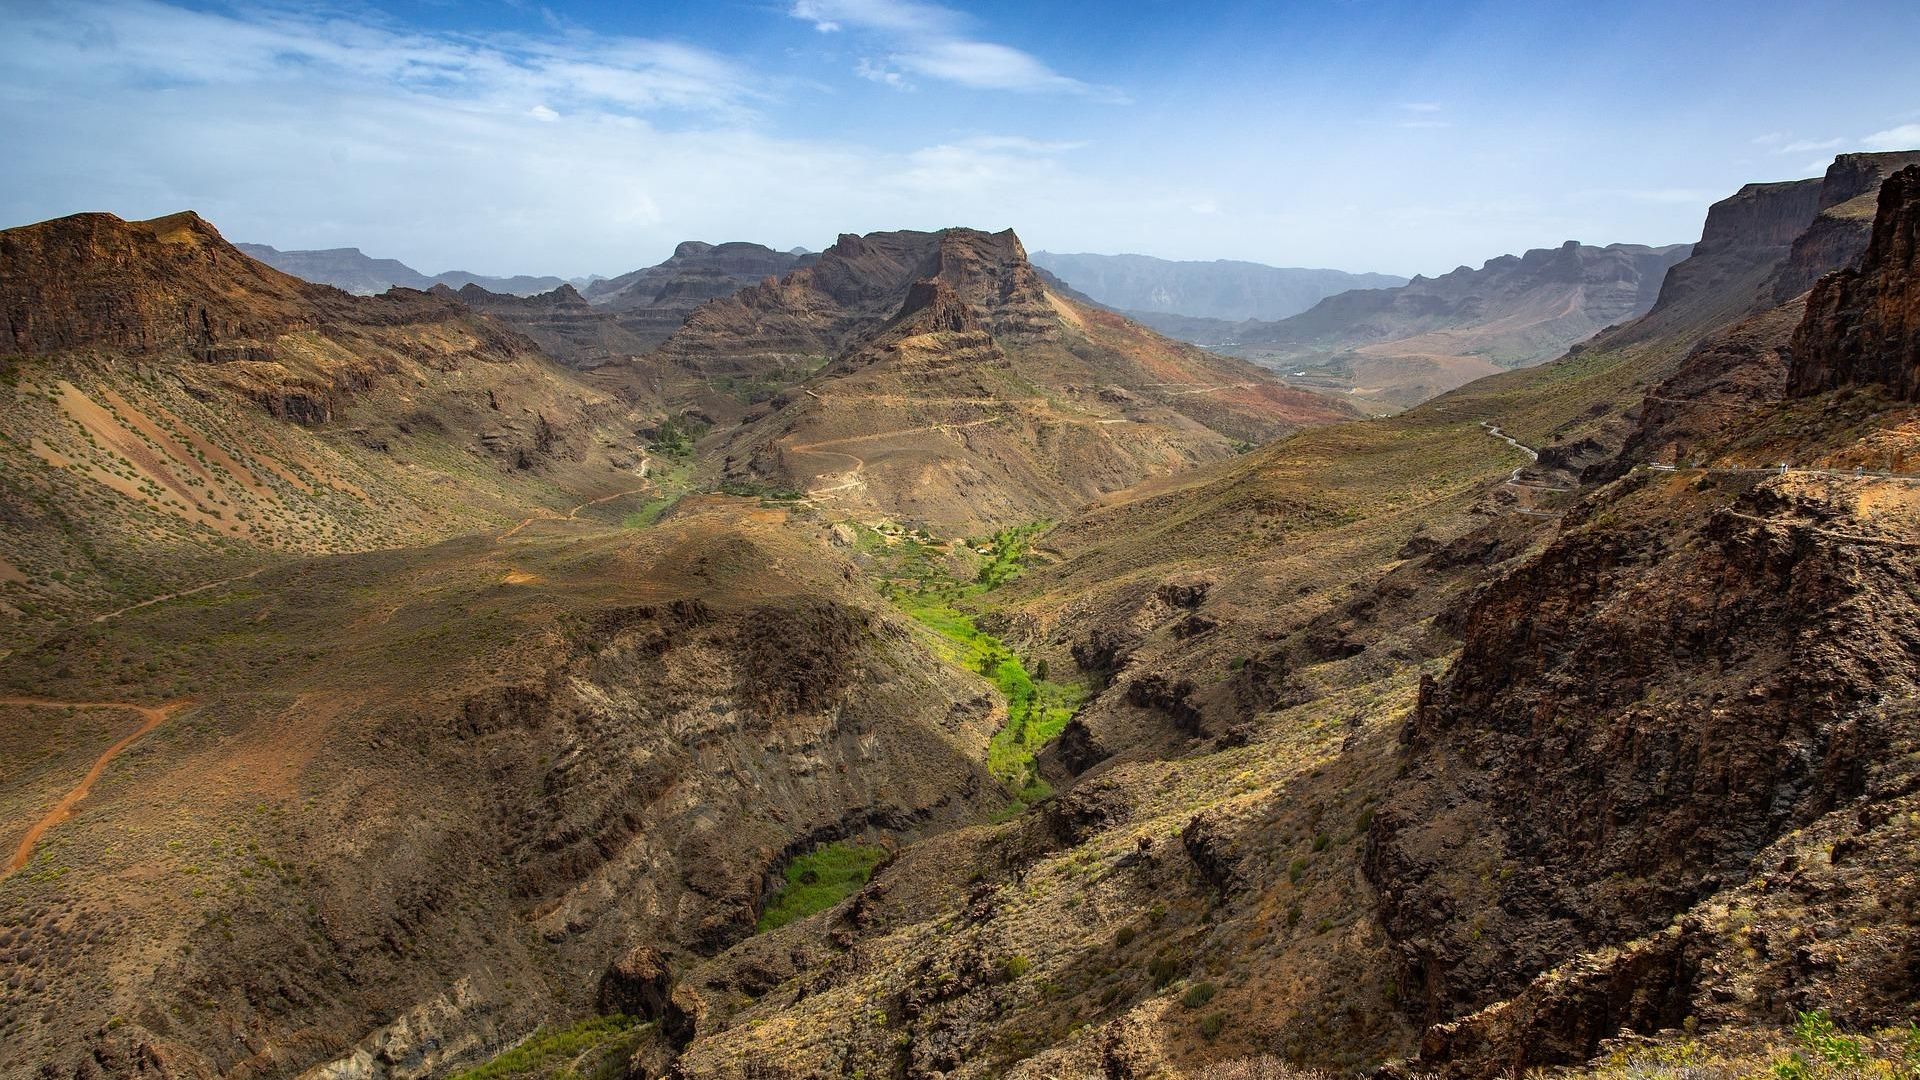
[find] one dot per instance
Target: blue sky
(510, 136)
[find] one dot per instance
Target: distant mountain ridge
(1398, 347)
(1220, 289)
(354, 271)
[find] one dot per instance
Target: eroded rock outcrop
(1862, 326)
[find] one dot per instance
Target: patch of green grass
(1038, 709)
(764, 492)
(555, 1051)
(820, 879)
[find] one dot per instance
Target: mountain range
(353, 271)
(1144, 287)
(902, 667)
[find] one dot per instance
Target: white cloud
(1904, 137)
(1421, 106)
(905, 17)
(449, 151)
(868, 69)
(932, 41)
(1803, 146)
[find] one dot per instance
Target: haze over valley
(781, 618)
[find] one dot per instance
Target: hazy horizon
(572, 139)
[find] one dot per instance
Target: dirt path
(152, 717)
(853, 479)
(573, 514)
(249, 575)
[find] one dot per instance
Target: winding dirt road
(818, 449)
(152, 717)
(573, 514)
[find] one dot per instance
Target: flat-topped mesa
(1747, 233)
(97, 281)
(696, 271)
(860, 284)
(1838, 235)
(1862, 325)
(997, 275)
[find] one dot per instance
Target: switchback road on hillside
(152, 716)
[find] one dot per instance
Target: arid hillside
(176, 412)
(963, 393)
(1563, 722)
(1326, 672)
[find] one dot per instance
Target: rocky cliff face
(857, 284)
(1685, 700)
(1646, 715)
(95, 281)
(1862, 326)
(1745, 236)
(1839, 232)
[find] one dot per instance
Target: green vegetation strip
(1037, 708)
(600, 1044)
(820, 879)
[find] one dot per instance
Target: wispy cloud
(1904, 137)
(1807, 146)
(1422, 115)
(167, 47)
(576, 151)
(935, 42)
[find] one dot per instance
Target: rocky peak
(991, 271)
(95, 280)
(1838, 234)
(935, 306)
(1862, 325)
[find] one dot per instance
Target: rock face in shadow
(1839, 232)
(1863, 325)
(1680, 691)
(1636, 714)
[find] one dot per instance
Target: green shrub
(1015, 966)
(1162, 969)
(1197, 995)
(820, 879)
(1211, 1027)
(1124, 936)
(1815, 1031)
